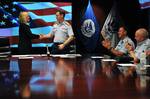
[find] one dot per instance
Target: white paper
(108, 60)
(26, 57)
(77, 55)
(43, 55)
(57, 55)
(3, 56)
(146, 65)
(127, 64)
(97, 57)
(64, 56)
(67, 56)
(19, 55)
(31, 55)
(53, 55)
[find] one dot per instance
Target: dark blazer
(25, 39)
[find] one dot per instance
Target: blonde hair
(23, 16)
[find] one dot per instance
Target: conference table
(73, 77)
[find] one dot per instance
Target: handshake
(42, 36)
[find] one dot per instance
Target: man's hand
(41, 36)
(129, 47)
(61, 46)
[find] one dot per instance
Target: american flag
(42, 16)
(144, 4)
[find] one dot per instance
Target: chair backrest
(4, 48)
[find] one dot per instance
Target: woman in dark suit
(25, 34)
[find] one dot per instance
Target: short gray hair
(143, 32)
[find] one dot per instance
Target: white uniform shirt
(142, 47)
(121, 45)
(61, 31)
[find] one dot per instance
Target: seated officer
(120, 49)
(143, 44)
(61, 33)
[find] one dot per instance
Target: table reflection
(25, 67)
(88, 67)
(63, 78)
(142, 82)
(52, 76)
(127, 74)
(109, 67)
(128, 71)
(8, 80)
(70, 78)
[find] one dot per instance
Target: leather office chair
(4, 48)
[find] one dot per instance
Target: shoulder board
(67, 23)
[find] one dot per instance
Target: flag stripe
(49, 18)
(15, 39)
(12, 31)
(47, 11)
(143, 1)
(39, 6)
(67, 8)
(42, 23)
(145, 5)
(62, 4)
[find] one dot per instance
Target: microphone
(48, 52)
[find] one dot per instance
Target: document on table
(26, 57)
(146, 66)
(31, 55)
(97, 57)
(64, 56)
(108, 60)
(52, 55)
(23, 56)
(127, 65)
(19, 56)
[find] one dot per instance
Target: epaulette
(67, 23)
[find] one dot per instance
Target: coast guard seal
(88, 28)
